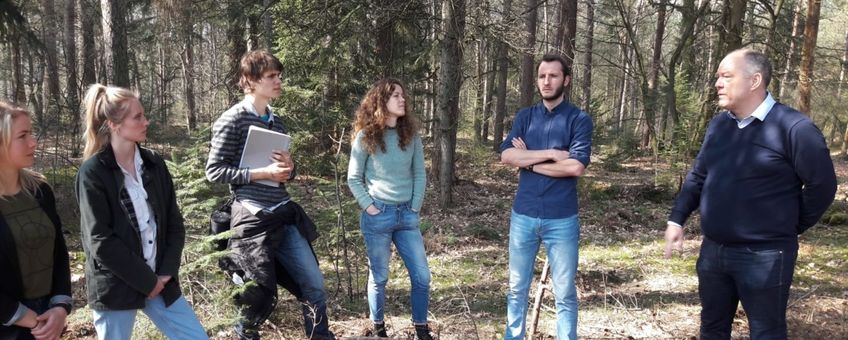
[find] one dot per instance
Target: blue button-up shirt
(564, 128)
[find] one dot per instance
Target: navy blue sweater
(762, 185)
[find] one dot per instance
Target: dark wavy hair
(371, 117)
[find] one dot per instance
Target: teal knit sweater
(395, 176)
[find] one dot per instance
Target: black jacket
(11, 285)
(118, 277)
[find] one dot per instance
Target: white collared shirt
(760, 113)
(143, 212)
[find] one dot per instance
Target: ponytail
(103, 104)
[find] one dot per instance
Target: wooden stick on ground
(537, 304)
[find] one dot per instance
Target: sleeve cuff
(675, 224)
(18, 315)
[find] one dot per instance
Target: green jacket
(118, 277)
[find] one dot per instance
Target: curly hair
(371, 117)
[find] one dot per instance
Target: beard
(557, 93)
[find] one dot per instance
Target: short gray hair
(757, 62)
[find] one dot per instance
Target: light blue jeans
(561, 238)
(398, 224)
(176, 321)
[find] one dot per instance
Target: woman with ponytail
(132, 228)
(35, 289)
(386, 176)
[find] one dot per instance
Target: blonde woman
(35, 291)
(132, 229)
(386, 175)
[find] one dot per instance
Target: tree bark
(51, 54)
(385, 28)
(115, 41)
(652, 102)
(587, 55)
(453, 14)
(187, 62)
(787, 71)
(527, 71)
(808, 53)
(502, 52)
(268, 25)
(236, 47)
(88, 50)
(489, 93)
(17, 67)
(71, 62)
(568, 23)
(481, 91)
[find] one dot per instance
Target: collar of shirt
(760, 113)
(249, 107)
(562, 107)
(139, 163)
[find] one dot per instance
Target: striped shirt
(229, 134)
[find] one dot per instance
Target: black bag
(220, 222)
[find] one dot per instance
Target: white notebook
(258, 147)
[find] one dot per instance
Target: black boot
(380, 330)
(422, 332)
(245, 333)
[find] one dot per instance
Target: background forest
(643, 69)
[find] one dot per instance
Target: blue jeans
(560, 237)
(398, 224)
(759, 278)
(295, 254)
(176, 321)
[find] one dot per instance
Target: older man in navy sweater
(763, 176)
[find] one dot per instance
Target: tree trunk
(50, 35)
(587, 55)
(490, 93)
(453, 14)
(187, 62)
(527, 71)
(236, 47)
(652, 102)
(481, 92)
(268, 25)
(115, 41)
(787, 71)
(568, 22)
(384, 28)
(729, 39)
(808, 53)
(88, 16)
(36, 80)
(842, 70)
(71, 70)
(774, 15)
(17, 67)
(687, 27)
(502, 51)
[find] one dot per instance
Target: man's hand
(673, 239)
(50, 324)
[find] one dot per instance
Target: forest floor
(626, 289)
